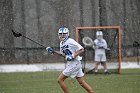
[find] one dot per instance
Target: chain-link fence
(40, 20)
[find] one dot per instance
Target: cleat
(95, 73)
(107, 73)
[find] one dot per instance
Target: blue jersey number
(67, 52)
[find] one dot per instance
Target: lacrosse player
(71, 50)
(100, 45)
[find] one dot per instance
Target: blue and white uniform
(74, 68)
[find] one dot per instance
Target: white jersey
(69, 47)
(100, 46)
(74, 67)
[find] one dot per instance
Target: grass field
(46, 82)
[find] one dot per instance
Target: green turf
(46, 82)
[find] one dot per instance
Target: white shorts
(73, 69)
(100, 57)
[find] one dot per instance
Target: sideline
(54, 67)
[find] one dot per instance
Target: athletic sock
(96, 70)
(105, 70)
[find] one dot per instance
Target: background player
(71, 50)
(100, 46)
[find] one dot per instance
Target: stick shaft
(33, 41)
(39, 44)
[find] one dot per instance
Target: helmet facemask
(63, 33)
(99, 35)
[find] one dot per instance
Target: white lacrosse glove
(93, 46)
(50, 50)
(101, 47)
(69, 58)
(107, 48)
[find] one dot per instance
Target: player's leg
(96, 66)
(103, 63)
(97, 60)
(84, 84)
(105, 68)
(61, 82)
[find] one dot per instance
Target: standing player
(100, 46)
(71, 50)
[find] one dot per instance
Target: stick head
(16, 34)
(87, 41)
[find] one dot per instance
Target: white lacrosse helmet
(99, 35)
(63, 33)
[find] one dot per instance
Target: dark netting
(28, 56)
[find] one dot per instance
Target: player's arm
(79, 52)
(79, 49)
(74, 55)
(58, 53)
(51, 51)
(105, 45)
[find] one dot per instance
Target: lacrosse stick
(88, 42)
(17, 34)
(137, 45)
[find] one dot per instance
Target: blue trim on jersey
(65, 39)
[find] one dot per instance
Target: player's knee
(80, 83)
(97, 63)
(59, 80)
